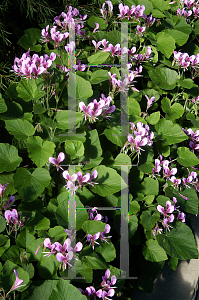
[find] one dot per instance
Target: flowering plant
(101, 154)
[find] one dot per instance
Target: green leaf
(163, 148)
(92, 146)
(172, 112)
(182, 25)
(114, 136)
(186, 157)
(157, 14)
(83, 88)
(122, 159)
(186, 83)
(40, 150)
(47, 267)
(170, 133)
(92, 227)
(109, 182)
(6, 244)
(190, 205)
(147, 220)
(38, 109)
(63, 119)
(133, 225)
(165, 78)
(39, 222)
(24, 239)
(107, 250)
(21, 129)
(9, 159)
(165, 44)
(74, 148)
(41, 291)
(13, 254)
(81, 214)
(179, 242)
(99, 76)
(98, 58)
(149, 199)
(180, 37)
(94, 262)
(29, 90)
(93, 19)
(153, 252)
(153, 118)
(30, 186)
(114, 37)
(150, 186)
(66, 291)
(173, 263)
(3, 106)
(2, 223)
(62, 212)
(134, 107)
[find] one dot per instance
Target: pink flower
(64, 258)
(149, 101)
(57, 161)
(92, 239)
(181, 216)
(140, 29)
(18, 282)
(96, 27)
(2, 189)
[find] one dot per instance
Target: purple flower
(64, 259)
(181, 216)
(92, 239)
(12, 216)
(2, 189)
(57, 161)
(102, 234)
(18, 282)
(169, 208)
(140, 30)
(167, 220)
(9, 203)
(149, 101)
(47, 244)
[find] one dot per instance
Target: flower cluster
(65, 21)
(32, 66)
(78, 180)
(13, 218)
(64, 253)
(54, 35)
(117, 51)
(169, 172)
(93, 215)
(95, 109)
(168, 213)
(194, 136)
(184, 61)
(140, 137)
(191, 8)
(123, 86)
(106, 290)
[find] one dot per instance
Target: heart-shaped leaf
(30, 186)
